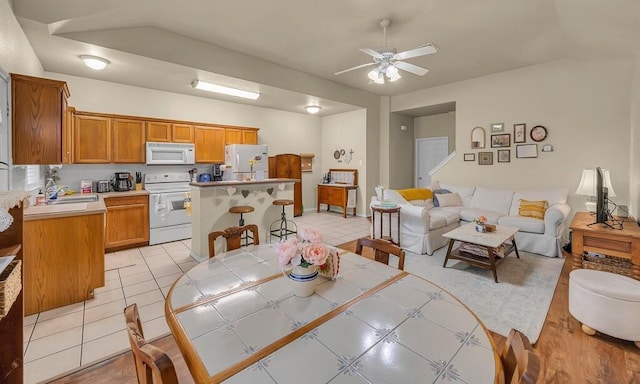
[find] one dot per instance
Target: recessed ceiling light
(312, 109)
(95, 62)
(203, 85)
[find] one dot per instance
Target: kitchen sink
(74, 199)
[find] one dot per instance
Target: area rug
(520, 300)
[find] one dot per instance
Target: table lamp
(588, 187)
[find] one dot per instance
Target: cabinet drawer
(125, 200)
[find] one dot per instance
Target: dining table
(235, 319)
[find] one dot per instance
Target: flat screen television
(602, 214)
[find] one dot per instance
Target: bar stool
(283, 228)
(242, 209)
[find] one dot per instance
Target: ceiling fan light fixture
(373, 74)
(313, 109)
(393, 74)
(210, 87)
(94, 62)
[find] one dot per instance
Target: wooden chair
(234, 236)
(152, 364)
(521, 364)
(382, 249)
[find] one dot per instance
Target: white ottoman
(605, 302)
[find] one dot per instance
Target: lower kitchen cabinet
(63, 260)
(127, 222)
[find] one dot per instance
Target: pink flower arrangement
(307, 251)
(480, 220)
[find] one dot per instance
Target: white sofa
(422, 225)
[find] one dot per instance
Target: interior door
(429, 153)
(5, 141)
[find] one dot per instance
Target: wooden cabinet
(38, 118)
(127, 222)
(63, 260)
(335, 195)
(289, 166)
(91, 139)
(249, 136)
(209, 144)
(158, 131)
(241, 136)
(128, 141)
(11, 325)
(165, 132)
(182, 133)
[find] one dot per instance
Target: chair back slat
(520, 363)
(382, 249)
(233, 236)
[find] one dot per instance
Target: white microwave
(170, 153)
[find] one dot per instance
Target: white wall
(634, 144)
(303, 133)
(347, 131)
(17, 55)
(584, 104)
(440, 125)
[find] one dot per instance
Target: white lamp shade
(588, 183)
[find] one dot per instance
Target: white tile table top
(373, 324)
(468, 234)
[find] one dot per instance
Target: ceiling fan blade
(411, 68)
(420, 51)
(352, 68)
(371, 52)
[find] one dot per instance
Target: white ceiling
(288, 50)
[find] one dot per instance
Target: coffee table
(491, 241)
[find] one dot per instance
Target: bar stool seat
(242, 209)
(283, 228)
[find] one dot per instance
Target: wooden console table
(598, 238)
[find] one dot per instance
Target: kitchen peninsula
(211, 202)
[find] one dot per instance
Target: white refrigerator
(237, 156)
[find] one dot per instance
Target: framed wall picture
(519, 133)
(469, 157)
(504, 155)
(538, 133)
(485, 158)
(524, 151)
(501, 141)
(497, 127)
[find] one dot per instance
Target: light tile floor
(64, 339)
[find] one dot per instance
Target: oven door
(167, 209)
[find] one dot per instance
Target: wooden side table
(382, 210)
(598, 238)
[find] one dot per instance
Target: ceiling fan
(388, 61)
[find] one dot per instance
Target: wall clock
(538, 133)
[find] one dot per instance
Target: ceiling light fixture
(377, 75)
(313, 109)
(203, 85)
(94, 62)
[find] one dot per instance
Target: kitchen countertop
(37, 212)
(231, 183)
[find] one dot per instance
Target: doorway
(429, 153)
(4, 130)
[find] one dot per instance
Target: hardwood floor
(568, 355)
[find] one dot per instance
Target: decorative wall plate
(336, 154)
(538, 133)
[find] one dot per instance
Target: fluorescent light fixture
(203, 85)
(313, 109)
(94, 62)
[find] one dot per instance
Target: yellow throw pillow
(416, 193)
(535, 209)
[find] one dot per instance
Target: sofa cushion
(416, 193)
(428, 203)
(526, 224)
(449, 199)
(498, 200)
(553, 196)
(534, 209)
(465, 192)
(437, 192)
(468, 214)
(441, 217)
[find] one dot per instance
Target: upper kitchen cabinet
(91, 139)
(38, 118)
(241, 136)
(210, 143)
(166, 132)
(128, 141)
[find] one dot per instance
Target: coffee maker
(122, 182)
(217, 173)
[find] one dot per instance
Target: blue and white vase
(304, 280)
(480, 227)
